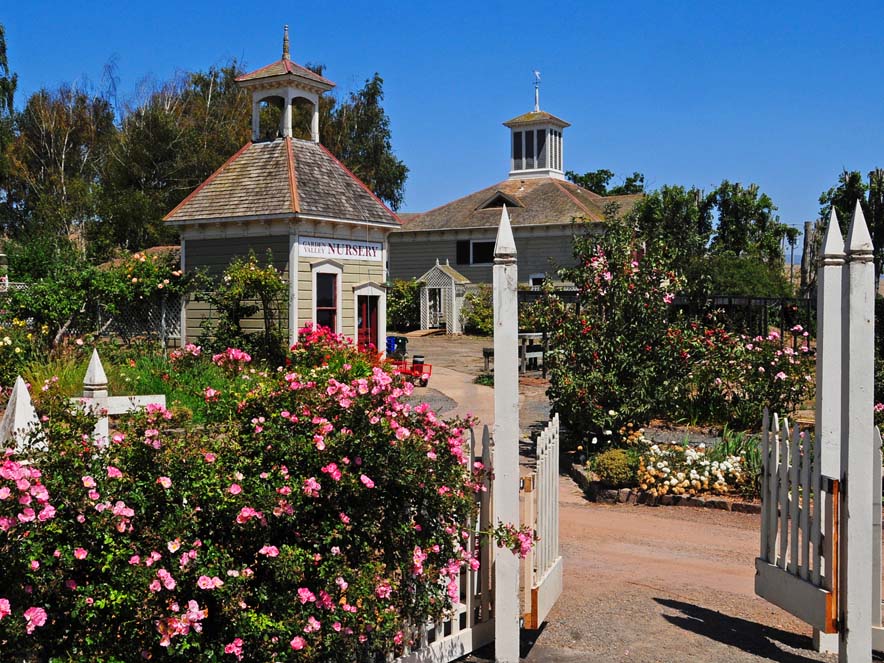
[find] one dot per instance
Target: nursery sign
(340, 249)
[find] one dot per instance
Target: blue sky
(784, 94)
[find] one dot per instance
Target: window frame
(473, 242)
(332, 268)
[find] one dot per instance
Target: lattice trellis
(451, 299)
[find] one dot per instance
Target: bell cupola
(282, 82)
(536, 142)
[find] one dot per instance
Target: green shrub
(614, 468)
(247, 288)
(404, 305)
(614, 359)
(478, 311)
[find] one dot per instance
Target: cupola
(536, 143)
(282, 82)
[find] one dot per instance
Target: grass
(141, 372)
(486, 379)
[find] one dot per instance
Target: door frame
(371, 288)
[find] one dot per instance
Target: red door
(368, 321)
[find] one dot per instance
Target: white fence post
(830, 304)
(20, 422)
(505, 457)
(855, 628)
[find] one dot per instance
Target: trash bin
(417, 363)
(401, 349)
(391, 345)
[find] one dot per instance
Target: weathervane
(536, 91)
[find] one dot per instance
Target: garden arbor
(442, 297)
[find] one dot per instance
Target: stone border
(594, 492)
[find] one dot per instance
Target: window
(529, 149)
(541, 149)
(482, 252)
(327, 300)
(463, 252)
(517, 150)
(536, 280)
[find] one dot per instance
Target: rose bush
(312, 516)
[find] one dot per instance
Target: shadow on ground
(753, 638)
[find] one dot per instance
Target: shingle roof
(281, 68)
(283, 177)
(535, 117)
(446, 269)
(543, 200)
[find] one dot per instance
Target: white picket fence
(469, 625)
(542, 568)
(796, 568)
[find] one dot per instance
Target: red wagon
(419, 373)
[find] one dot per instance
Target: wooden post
(505, 456)
(20, 423)
(855, 577)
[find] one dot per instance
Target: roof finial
(285, 44)
(536, 91)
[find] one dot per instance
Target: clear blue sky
(784, 94)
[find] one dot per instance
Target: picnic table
(532, 347)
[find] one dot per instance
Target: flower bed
(312, 516)
(684, 470)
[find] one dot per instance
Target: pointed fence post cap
(505, 246)
(95, 375)
(833, 242)
(858, 238)
(20, 416)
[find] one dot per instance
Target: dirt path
(663, 585)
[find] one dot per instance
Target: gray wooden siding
(214, 255)
(412, 254)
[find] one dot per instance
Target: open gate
(797, 568)
(542, 568)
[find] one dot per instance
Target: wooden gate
(542, 568)
(797, 568)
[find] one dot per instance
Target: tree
(167, 145)
(357, 131)
(747, 225)
(8, 84)
(57, 159)
(597, 181)
(843, 198)
(677, 218)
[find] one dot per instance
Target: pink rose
(298, 643)
(270, 551)
(88, 482)
(367, 482)
(5, 610)
(165, 482)
(34, 617)
(80, 553)
(113, 472)
(235, 489)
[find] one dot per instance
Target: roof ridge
(293, 176)
(572, 197)
(209, 179)
(360, 183)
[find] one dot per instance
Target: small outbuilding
(442, 294)
(326, 230)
